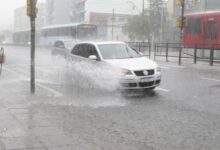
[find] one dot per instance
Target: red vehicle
(202, 29)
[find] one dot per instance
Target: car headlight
(125, 72)
(158, 69)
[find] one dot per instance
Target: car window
(80, 50)
(117, 51)
(92, 50)
(76, 50)
(85, 50)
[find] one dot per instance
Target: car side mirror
(93, 57)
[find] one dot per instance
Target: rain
(106, 75)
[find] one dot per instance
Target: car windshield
(117, 51)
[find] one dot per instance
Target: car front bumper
(143, 82)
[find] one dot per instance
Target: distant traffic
(202, 29)
(58, 35)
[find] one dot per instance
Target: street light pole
(32, 13)
(205, 5)
(161, 23)
(143, 7)
(33, 30)
(181, 30)
(113, 18)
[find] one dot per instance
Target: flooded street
(109, 75)
(63, 115)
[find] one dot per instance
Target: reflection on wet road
(183, 113)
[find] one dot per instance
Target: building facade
(22, 21)
(58, 12)
(98, 12)
(193, 6)
(202, 5)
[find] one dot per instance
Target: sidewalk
(23, 124)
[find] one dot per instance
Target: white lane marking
(44, 70)
(56, 93)
(162, 89)
(26, 59)
(18, 65)
(14, 72)
(27, 69)
(38, 69)
(163, 67)
(23, 71)
(47, 82)
(210, 79)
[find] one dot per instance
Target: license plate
(146, 79)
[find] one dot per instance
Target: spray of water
(83, 82)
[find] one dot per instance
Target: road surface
(182, 114)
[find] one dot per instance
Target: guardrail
(168, 50)
(196, 52)
(179, 51)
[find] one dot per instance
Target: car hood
(140, 63)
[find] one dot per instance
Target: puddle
(82, 83)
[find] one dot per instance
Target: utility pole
(181, 30)
(32, 13)
(113, 19)
(161, 23)
(181, 21)
(205, 3)
(2, 59)
(143, 23)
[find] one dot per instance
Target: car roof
(101, 42)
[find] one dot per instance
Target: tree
(145, 25)
(137, 27)
(157, 18)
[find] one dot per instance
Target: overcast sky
(7, 10)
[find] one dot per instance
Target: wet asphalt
(182, 114)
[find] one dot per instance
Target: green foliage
(144, 26)
(137, 27)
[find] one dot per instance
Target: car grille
(141, 73)
(129, 84)
(158, 81)
(146, 84)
